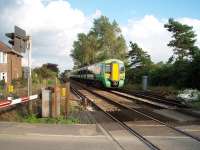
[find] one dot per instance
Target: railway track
(121, 123)
(154, 98)
(142, 114)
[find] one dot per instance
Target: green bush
(60, 120)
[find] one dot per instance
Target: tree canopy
(138, 57)
(183, 40)
(139, 63)
(103, 41)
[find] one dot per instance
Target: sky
(54, 24)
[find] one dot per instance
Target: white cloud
(53, 25)
(150, 34)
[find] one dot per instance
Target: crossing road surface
(23, 136)
(16, 136)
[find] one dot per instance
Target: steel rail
(155, 98)
(145, 115)
(133, 132)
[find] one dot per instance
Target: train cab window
(122, 68)
(108, 68)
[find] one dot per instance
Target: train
(109, 74)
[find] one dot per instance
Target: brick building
(10, 63)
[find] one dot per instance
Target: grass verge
(60, 120)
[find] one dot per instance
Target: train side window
(108, 68)
(122, 68)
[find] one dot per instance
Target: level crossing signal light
(18, 39)
(20, 42)
(11, 36)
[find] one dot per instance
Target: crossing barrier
(10, 102)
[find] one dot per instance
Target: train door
(115, 72)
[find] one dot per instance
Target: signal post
(22, 43)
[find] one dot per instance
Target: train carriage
(109, 73)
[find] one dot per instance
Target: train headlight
(107, 75)
(122, 76)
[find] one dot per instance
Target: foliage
(2, 84)
(181, 71)
(44, 72)
(140, 64)
(138, 57)
(60, 120)
(183, 40)
(52, 67)
(103, 41)
(21, 82)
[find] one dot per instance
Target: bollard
(144, 82)
(46, 101)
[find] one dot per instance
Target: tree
(110, 39)
(52, 67)
(138, 57)
(46, 71)
(80, 50)
(103, 41)
(183, 42)
(140, 63)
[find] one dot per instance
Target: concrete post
(144, 82)
(46, 102)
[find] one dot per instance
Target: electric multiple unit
(109, 73)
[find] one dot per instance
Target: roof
(105, 61)
(5, 48)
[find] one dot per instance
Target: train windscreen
(122, 68)
(108, 68)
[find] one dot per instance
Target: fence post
(55, 105)
(46, 102)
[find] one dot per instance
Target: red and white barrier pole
(7, 103)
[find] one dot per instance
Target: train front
(114, 74)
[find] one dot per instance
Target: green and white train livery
(109, 73)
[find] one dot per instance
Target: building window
(3, 76)
(3, 58)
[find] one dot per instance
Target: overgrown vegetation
(182, 69)
(60, 120)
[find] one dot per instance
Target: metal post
(46, 101)
(145, 82)
(29, 71)
(29, 66)
(67, 99)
